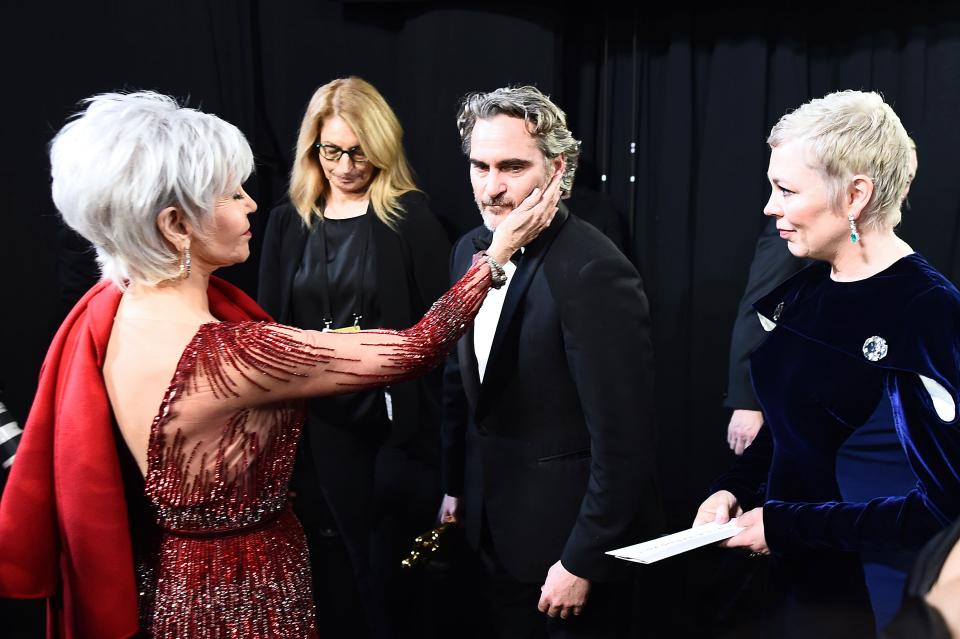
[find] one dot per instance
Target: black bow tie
(482, 243)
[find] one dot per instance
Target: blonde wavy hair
(849, 133)
(377, 128)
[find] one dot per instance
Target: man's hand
(563, 593)
(743, 428)
(450, 510)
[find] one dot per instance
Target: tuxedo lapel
(529, 265)
(469, 368)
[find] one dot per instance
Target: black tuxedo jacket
(556, 447)
(410, 277)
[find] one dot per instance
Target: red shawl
(63, 519)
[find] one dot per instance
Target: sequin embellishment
(232, 560)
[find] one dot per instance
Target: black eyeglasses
(333, 153)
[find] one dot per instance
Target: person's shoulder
(284, 209)
(415, 200)
(582, 261)
(414, 211)
(283, 213)
(581, 241)
(284, 219)
(932, 302)
(919, 278)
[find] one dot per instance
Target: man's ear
(559, 165)
(175, 227)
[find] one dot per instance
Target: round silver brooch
(875, 348)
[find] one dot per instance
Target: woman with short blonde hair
(858, 379)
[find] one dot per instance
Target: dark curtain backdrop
(673, 107)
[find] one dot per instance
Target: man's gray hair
(125, 158)
(545, 121)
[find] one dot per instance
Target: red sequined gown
(232, 559)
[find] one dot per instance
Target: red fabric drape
(63, 518)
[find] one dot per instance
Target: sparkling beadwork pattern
(232, 561)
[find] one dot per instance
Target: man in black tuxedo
(548, 439)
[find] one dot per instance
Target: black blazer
(772, 264)
(556, 446)
(411, 275)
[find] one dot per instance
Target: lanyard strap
(325, 280)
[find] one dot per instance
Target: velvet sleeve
(928, 346)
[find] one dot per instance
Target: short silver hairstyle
(849, 133)
(125, 158)
(545, 121)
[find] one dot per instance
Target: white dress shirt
(485, 325)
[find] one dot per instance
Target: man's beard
(490, 220)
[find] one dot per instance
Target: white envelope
(670, 545)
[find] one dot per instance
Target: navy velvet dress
(861, 361)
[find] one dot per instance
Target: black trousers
(376, 499)
(513, 605)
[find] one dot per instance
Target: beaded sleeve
(221, 454)
(252, 363)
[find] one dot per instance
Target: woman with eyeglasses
(357, 247)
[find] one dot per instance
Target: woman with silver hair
(203, 391)
(861, 355)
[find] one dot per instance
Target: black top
(344, 284)
(917, 618)
(335, 282)
(410, 261)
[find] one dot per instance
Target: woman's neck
(341, 204)
(875, 251)
(177, 300)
